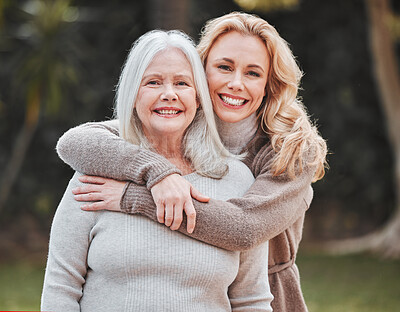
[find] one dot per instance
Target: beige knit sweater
(107, 261)
(272, 209)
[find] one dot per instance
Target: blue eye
(182, 83)
(152, 82)
(255, 74)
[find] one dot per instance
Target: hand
(104, 193)
(172, 195)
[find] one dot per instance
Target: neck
(171, 149)
(237, 135)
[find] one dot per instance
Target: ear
(197, 102)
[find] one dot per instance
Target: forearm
(96, 149)
(240, 223)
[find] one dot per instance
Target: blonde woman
(253, 80)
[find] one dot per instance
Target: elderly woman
(106, 261)
(253, 79)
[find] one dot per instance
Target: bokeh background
(60, 61)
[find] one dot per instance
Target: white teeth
(231, 101)
(167, 112)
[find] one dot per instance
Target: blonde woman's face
(237, 70)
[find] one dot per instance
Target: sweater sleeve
(96, 148)
(269, 207)
(250, 290)
(66, 264)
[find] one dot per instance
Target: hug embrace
(193, 197)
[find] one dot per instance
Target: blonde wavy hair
(282, 115)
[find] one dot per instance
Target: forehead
(170, 60)
(240, 47)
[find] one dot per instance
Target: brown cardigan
(272, 209)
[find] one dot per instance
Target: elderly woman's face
(166, 101)
(237, 71)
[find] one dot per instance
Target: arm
(250, 290)
(95, 148)
(268, 208)
(66, 265)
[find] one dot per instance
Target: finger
(87, 188)
(191, 216)
(160, 212)
(88, 197)
(169, 214)
(92, 179)
(178, 217)
(199, 196)
(94, 206)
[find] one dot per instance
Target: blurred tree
(267, 5)
(42, 75)
(173, 14)
(385, 241)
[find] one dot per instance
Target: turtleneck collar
(237, 135)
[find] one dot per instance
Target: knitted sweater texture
(272, 209)
(108, 261)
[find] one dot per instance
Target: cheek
(212, 80)
(260, 88)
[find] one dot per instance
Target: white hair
(201, 143)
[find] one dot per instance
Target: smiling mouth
(230, 101)
(167, 112)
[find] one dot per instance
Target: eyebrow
(155, 75)
(183, 76)
(226, 59)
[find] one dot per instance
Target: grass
(350, 283)
(21, 286)
(358, 283)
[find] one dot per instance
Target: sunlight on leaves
(267, 5)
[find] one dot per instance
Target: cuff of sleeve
(149, 168)
(137, 199)
(155, 179)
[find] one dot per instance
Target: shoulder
(238, 171)
(237, 181)
(70, 222)
(68, 207)
(234, 184)
(110, 125)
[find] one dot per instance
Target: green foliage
(47, 67)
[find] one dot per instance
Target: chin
(230, 117)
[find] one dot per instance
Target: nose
(236, 83)
(168, 94)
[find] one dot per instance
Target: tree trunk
(386, 241)
(167, 15)
(20, 147)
